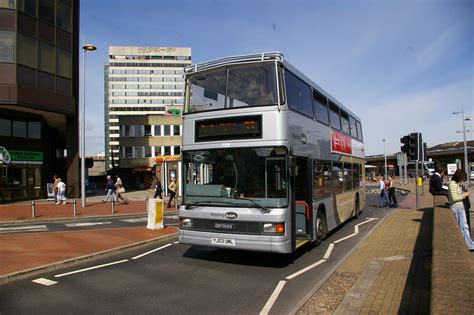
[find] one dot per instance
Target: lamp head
(89, 47)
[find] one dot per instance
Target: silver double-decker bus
(270, 160)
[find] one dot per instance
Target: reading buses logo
(231, 215)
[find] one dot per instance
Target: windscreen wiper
(263, 208)
(197, 203)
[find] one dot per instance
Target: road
(181, 279)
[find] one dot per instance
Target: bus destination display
(246, 127)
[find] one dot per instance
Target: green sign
(26, 155)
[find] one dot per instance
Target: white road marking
(345, 238)
(151, 251)
(44, 281)
(86, 224)
(91, 268)
(32, 228)
(296, 274)
(273, 297)
(175, 217)
(367, 221)
(176, 243)
(328, 251)
(136, 220)
(356, 229)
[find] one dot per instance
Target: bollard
(74, 207)
(146, 203)
(113, 206)
(33, 209)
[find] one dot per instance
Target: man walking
(110, 189)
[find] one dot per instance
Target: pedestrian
(61, 192)
(172, 190)
(467, 203)
(156, 185)
(456, 196)
(110, 189)
(436, 183)
(391, 191)
(55, 189)
(383, 197)
(119, 189)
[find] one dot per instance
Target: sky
(400, 65)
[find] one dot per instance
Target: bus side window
(347, 176)
(318, 180)
(337, 177)
(355, 176)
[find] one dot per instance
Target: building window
(137, 131)
(8, 4)
(27, 51)
(5, 127)
(27, 7)
(147, 152)
(176, 130)
(157, 151)
(167, 150)
(46, 11)
(64, 63)
(177, 150)
(19, 129)
(46, 60)
(7, 46)
(34, 130)
(128, 152)
(147, 130)
(64, 17)
(167, 130)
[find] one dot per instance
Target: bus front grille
(227, 226)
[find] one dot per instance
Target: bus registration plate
(222, 241)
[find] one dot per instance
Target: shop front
(166, 168)
(20, 175)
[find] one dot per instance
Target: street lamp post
(466, 165)
(85, 48)
(385, 158)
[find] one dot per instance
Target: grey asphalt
(181, 279)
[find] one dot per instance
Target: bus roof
(260, 57)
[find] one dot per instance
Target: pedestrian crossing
(44, 227)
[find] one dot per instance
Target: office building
(142, 81)
(39, 88)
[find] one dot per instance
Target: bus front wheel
(320, 228)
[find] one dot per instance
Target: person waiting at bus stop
(436, 183)
(456, 197)
(383, 197)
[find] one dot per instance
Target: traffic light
(405, 141)
(413, 149)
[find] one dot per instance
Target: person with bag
(119, 189)
(456, 197)
(172, 190)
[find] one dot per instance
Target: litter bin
(155, 214)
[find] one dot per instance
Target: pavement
(389, 272)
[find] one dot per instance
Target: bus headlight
(185, 223)
(274, 228)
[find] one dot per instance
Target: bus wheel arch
(356, 206)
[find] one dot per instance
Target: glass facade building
(39, 88)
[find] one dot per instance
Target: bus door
(302, 213)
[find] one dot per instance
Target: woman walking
(456, 196)
(172, 189)
(391, 191)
